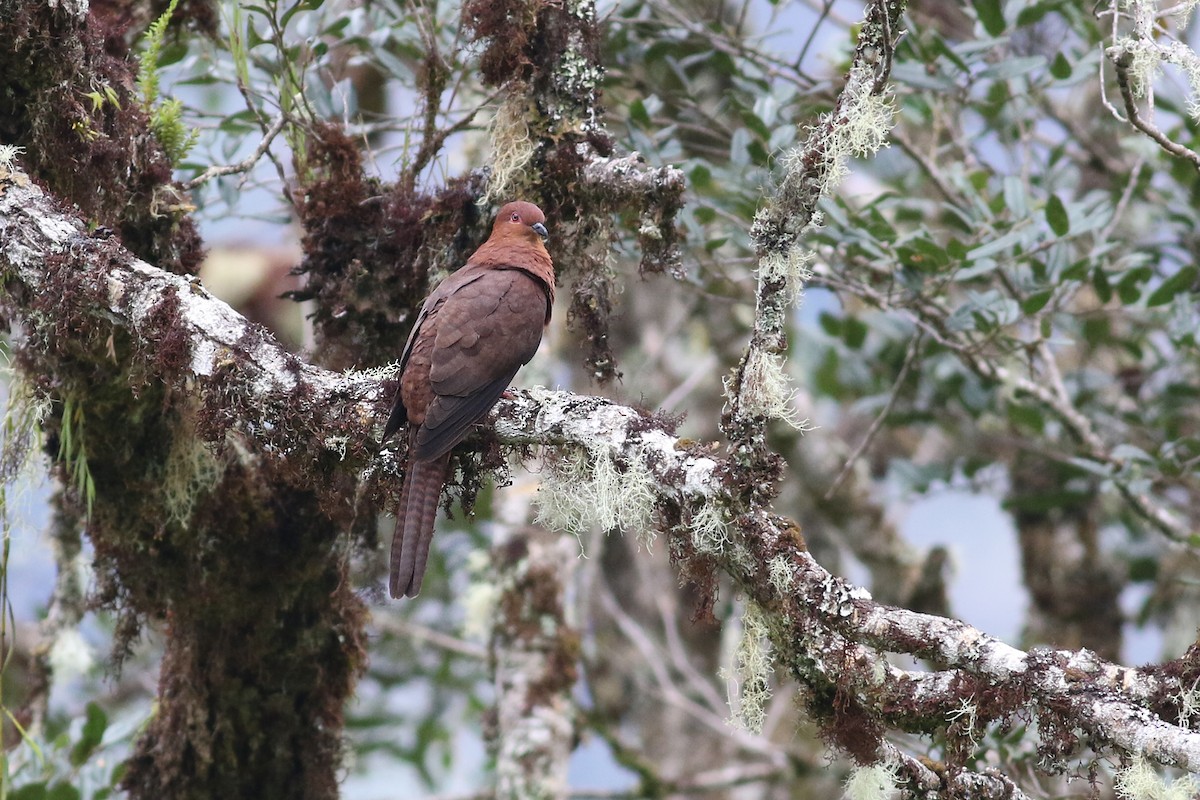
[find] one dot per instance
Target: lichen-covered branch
(534, 652)
(243, 381)
(1138, 58)
(830, 635)
(758, 390)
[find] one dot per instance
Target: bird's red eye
(515, 217)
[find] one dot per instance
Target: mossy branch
(825, 632)
(758, 390)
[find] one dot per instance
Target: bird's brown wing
(486, 330)
(429, 308)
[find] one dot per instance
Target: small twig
(248, 98)
(246, 164)
(421, 633)
(914, 348)
(432, 143)
(671, 693)
(927, 166)
(826, 7)
(1126, 195)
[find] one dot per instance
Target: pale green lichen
(482, 595)
(750, 677)
(191, 472)
(1145, 50)
(577, 78)
(24, 414)
(512, 146)
(766, 390)
(337, 444)
(8, 156)
(710, 529)
(372, 374)
(861, 130)
(790, 266)
(70, 655)
(876, 782)
(965, 717)
(781, 574)
(1189, 703)
(1144, 64)
(585, 488)
(865, 131)
(1141, 781)
(1183, 11)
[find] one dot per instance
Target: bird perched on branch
(477, 328)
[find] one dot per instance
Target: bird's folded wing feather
(486, 330)
(429, 308)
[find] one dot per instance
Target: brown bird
(477, 328)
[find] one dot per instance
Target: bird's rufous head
(520, 218)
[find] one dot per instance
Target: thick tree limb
(825, 630)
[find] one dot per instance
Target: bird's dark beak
(540, 230)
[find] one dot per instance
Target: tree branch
(827, 632)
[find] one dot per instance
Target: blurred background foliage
(1003, 306)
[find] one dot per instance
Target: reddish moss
(847, 725)
(98, 156)
(369, 251)
(171, 350)
(508, 26)
(697, 572)
(258, 664)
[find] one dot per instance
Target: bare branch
(246, 164)
(914, 348)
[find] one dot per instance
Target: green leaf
(1129, 288)
(981, 267)
(1014, 196)
(1077, 271)
(739, 145)
(93, 733)
(878, 226)
(1032, 14)
(1129, 452)
(1036, 301)
(990, 15)
(1023, 235)
(62, 791)
(1093, 467)
(1026, 416)
(855, 333)
(1179, 282)
(1056, 216)
(1102, 286)
(1129, 292)
(939, 46)
(1012, 68)
(1143, 569)
(830, 324)
(1060, 67)
(637, 112)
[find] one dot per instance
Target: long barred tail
(414, 524)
